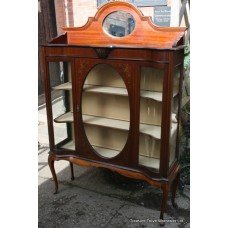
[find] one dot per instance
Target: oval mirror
(119, 24)
(105, 110)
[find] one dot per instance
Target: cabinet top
(120, 24)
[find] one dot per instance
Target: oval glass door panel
(119, 24)
(105, 110)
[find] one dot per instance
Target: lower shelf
(149, 162)
(102, 151)
(109, 153)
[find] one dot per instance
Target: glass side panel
(173, 124)
(151, 87)
(105, 110)
(62, 107)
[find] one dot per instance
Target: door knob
(77, 108)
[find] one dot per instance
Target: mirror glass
(119, 24)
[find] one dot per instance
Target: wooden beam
(183, 9)
(186, 19)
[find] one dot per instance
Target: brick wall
(64, 14)
(60, 14)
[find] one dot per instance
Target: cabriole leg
(174, 189)
(165, 190)
(72, 171)
(51, 160)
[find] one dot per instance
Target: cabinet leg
(51, 160)
(165, 190)
(174, 189)
(72, 171)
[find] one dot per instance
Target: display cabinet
(119, 96)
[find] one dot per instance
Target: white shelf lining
(149, 162)
(157, 96)
(152, 130)
(64, 86)
(123, 92)
(105, 152)
(65, 118)
(108, 153)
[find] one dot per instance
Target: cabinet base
(165, 185)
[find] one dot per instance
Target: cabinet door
(107, 110)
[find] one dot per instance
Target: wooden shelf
(65, 118)
(105, 152)
(152, 130)
(109, 153)
(105, 90)
(157, 96)
(64, 86)
(106, 122)
(69, 146)
(149, 162)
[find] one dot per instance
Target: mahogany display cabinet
(119, 89)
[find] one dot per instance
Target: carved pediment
(143, 34)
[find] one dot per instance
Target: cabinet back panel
(109, 106)
(104, 75)
(151, 79)
(150, 112)
(106, 137)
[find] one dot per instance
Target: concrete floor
(99, 197)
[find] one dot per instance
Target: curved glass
(105, 110)
(174, 115)
(151, 93)
(119, 24)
